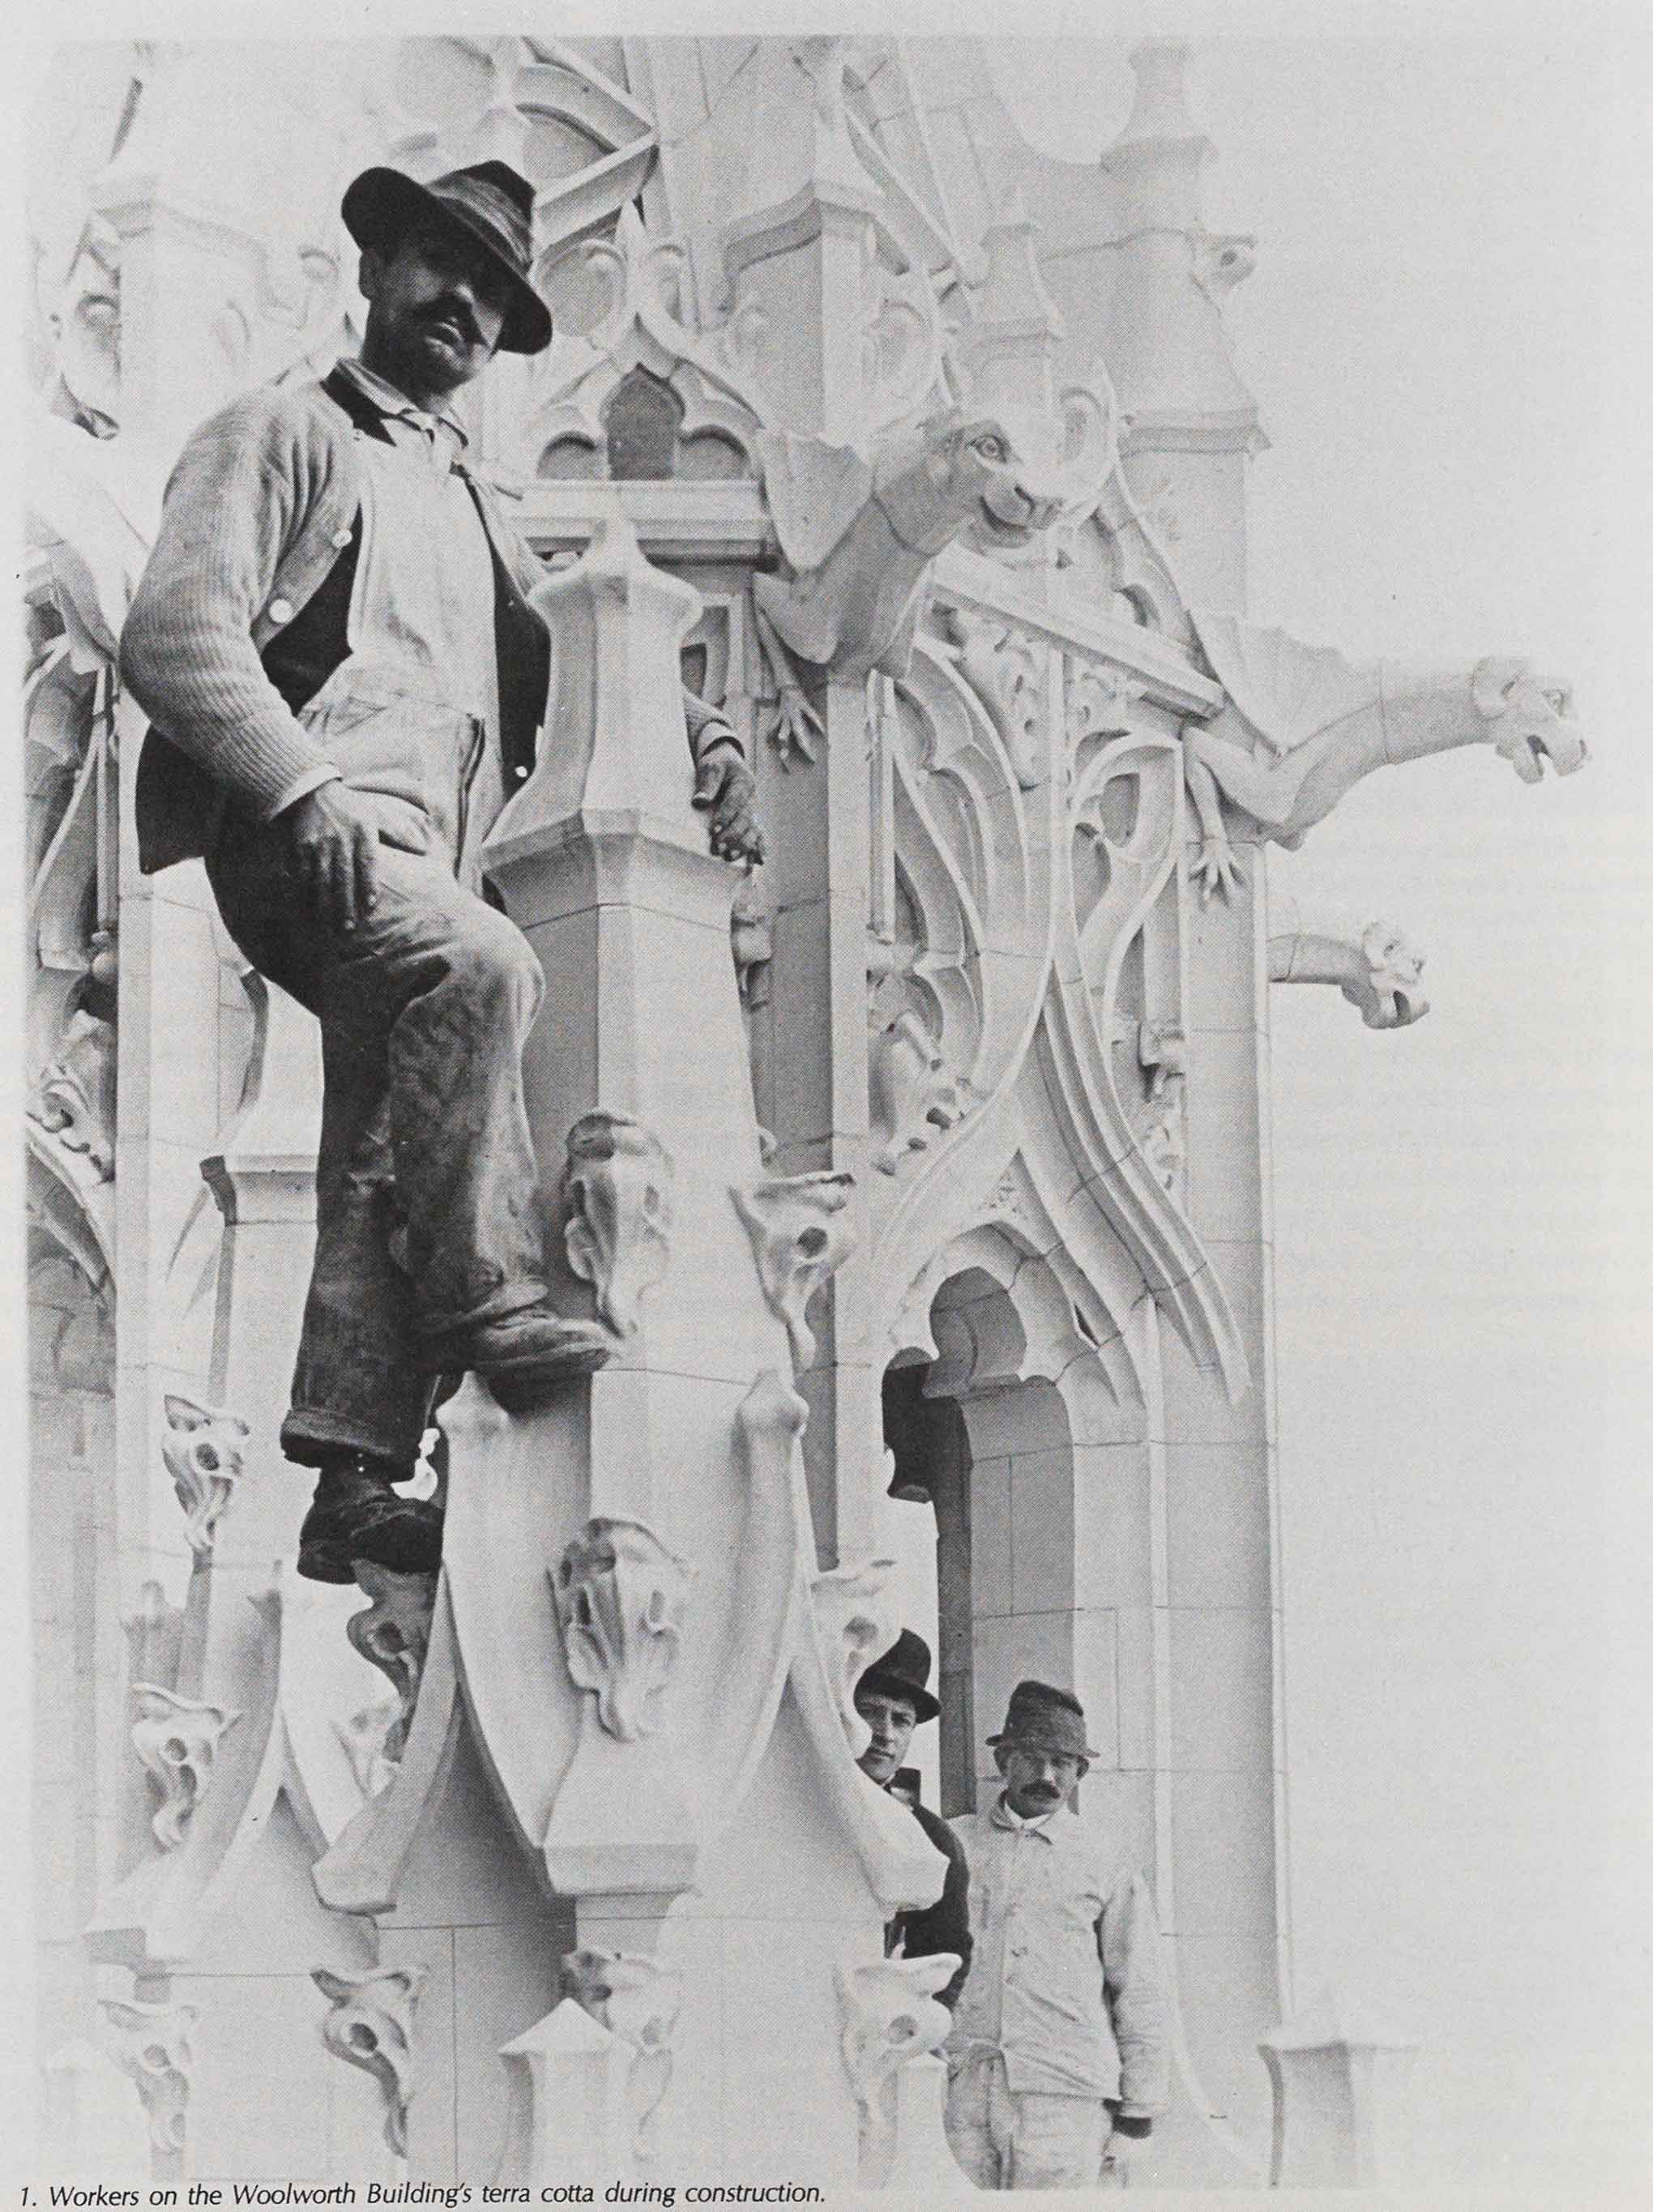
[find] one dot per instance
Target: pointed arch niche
(1039, 1477)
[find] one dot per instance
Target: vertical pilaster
(1193, 424)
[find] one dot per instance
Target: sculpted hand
(333, 845)
(1216, 869)
(723, 785)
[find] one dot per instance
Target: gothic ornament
(798, 1240)
(177, 1739)
(856, 1622)
(617, 1185)
(639, 2000)
(620, 1595)
(73, 1100)
(371, 2026)
(203, 1449)
(1304, 726)
(393, 1634)
(154, 2050)
(364, 1737)
(915, 1096)
(1005, 668)
(890, 2016)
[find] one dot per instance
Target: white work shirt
(1067, 1981)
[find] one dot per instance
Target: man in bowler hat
(345, 683)
(892, 1697)
(1057, 2058)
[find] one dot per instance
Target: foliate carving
(153, 2049)
(798, 1237)
(1007, 669)
(365, 1736)
(74, 1100)
(393, 1634)
(752, 942)
(620, 1595)
(1388, 995)
(914, 1095)
(1100, 702)
(371, 2026)
(618, 1188)
(856, 1622)
(177, 1739)
(890, 2016)
(203, 1449)
(639, 2000)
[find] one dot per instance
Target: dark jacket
(945, 1926)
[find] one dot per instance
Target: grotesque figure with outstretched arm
(1303, 725)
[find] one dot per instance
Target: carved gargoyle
(1303, 725)
(1372, 964)
(859, 535)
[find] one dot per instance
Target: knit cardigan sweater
(258, 512)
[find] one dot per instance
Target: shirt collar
(1005, 1815)
(390, 401)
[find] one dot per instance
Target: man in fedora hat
(1057, 2058)
(345, 682)
(892, 1697)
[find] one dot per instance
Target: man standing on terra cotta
(346, 683)
(1057, 2059)
(892, 1697)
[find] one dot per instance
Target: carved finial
(393, 1634)
(890, 2016)
(639, 2000)
(177, 1739)
(153, 2048)
(618, 1187)
(620, 1595)
(856, 1621)
(1160, 109)
(371, 2026)
(798, 1239)
(203, 1448)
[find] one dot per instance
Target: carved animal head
(1531, 717)
(954, 473)
(1391, 998)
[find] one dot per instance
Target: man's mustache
(450, 311)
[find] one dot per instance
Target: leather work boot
(356, 1514)
(522, 1355)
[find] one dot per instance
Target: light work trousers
(1006, 2139)
(427, 1198)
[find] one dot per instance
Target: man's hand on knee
(333, 852)
(723, 785)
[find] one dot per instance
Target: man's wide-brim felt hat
(1044, 1718)
(488, 203)
(904, 1671)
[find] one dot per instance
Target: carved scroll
(203, 1448)
(620, 1595)
(856, 1622)
(618, 1187)
(638, 2000)
(177, 1739)
(890, 2016)
(371, 2026)
(393, 1634)
(153, 2049)
(798, 1241)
